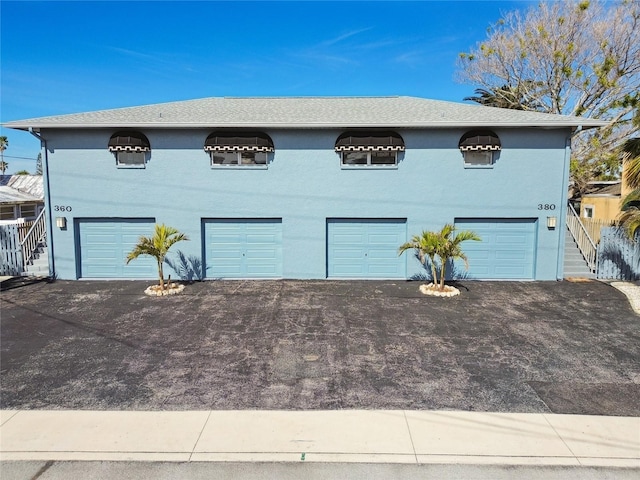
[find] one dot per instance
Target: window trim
(369, 152)
(476, 141)
(591, 208)
(491, 164)
(130, 142)
(239, 142)
(119, 164)
(238, 164)
(33, 205)
(6, 208)
(369, 141)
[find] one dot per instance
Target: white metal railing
(31, 241)
(594, 227)
(584, 241)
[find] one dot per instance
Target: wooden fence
(594, 227)
(11, 237)
(618, 256)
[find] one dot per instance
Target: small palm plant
(445, 244)
(157, 246)
(425, 246)
(450, 248)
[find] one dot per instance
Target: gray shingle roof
(306, 112)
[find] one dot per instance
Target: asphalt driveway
(556, 347)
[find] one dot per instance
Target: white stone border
(632, 292)
(433, 290)
(171, 289)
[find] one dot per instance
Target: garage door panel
(269, 254)
(513, 271)
(354, 270)
(101, 239)
(363, 248)
(507, 249)
(102, 271)
(230, 254)
(478, 254)
(387, 254)
(348, 253)
(130, 238)
(224, 270)
(243, 248)
(104, 245)
(257, 270)
(256, 239)
(510, 255)
(512, 239)
(383, 239)
(382, 270)
(353, 238)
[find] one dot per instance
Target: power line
(20, 158)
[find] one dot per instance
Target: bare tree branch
(578, 58)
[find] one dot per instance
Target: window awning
(479, 140)
(239, 141)
(129, 142)
(369, 140)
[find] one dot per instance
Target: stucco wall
(605, 208)
(304, 185)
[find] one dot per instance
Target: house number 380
(62, 208)
(546, 206)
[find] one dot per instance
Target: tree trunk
(443, 273)
(161, 275)
(434, 274)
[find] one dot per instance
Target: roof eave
(307, 125)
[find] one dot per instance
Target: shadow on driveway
(501, 346)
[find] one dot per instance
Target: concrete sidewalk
(372, 436)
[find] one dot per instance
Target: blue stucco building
(305, 188)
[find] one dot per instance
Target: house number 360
(546, 206)
(62, 208)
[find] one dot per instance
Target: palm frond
(631, 161)
(630, 221)
(632, 199)
(157, 246)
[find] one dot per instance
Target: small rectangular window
(253, 158)
(383, 158)
(27, 211)
(474, 158)
(244, 158)
(224, 158)
(354, 158)
(6, 212)
(369, 158)
(588, 211)
(130, 159)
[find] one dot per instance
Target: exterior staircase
(575, 265)
(38, 265)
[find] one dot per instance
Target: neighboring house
(602, 203)
(306, 188)
(21, 197)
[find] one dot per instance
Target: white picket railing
(10, 252)
(33, 238)
(585, 243)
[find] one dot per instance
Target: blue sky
(67, 57)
